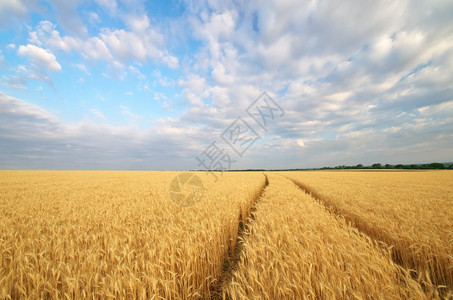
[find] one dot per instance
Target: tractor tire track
(406, 261)
(231, 262)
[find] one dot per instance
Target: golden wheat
(296, 249)
(116, 234)
(410, 211)
(110, 235)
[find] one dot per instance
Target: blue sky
(141, 85)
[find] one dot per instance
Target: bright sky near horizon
(149, 85)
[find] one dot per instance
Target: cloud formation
(33, 138)
(139, 42)
(41, 57)
(360, 82)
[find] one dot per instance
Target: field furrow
(233, 259)
(117, 234)
(296, 249)
(410, 212)
(279, 235)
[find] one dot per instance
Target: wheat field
(410, 211)
(252, 235)
(115, 235)
(295, 249)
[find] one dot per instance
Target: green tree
(376, 166)
(436, 166)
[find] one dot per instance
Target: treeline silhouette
(430, 166)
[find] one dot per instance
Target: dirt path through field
(364, 226)
(230, 264)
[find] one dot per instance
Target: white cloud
(300, 143)
(143, 42)
(42, 62)
(381, 47)
(136, 71)
(95, 49)
(423, 109)
(392, 129)
(346, 75)
(82, 67)
(43, 58)
(195, 89)
(171, 61)
(357, 57)
(220, 75)
(341, 96)
(138, 23)
(29, 133)
(117, 46)
(46, 34)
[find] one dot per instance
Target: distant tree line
(430, 166)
